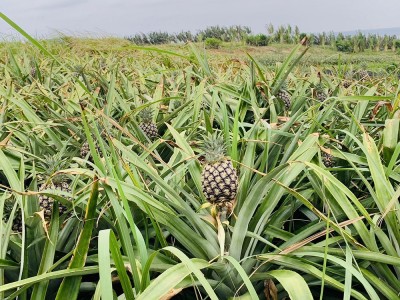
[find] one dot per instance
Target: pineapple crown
(146, 114)
(348, 75)
(51, 164)
(78, 69)
(214, 147)
(319, 86)
(284, 85)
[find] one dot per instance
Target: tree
(344, 45)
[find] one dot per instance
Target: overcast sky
(122, 17)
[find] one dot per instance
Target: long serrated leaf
(69, 287)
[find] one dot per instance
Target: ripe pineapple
(147, 125)
(57, 182)
(219, 178)
(320, 93)
(284, 96)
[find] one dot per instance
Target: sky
(44, 18)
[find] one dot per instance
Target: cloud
(57, 5)
(124, 17)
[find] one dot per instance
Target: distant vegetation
(281, 34)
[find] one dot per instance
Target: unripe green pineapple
(219, 178)
(284, 96)
(320, 93)
(85, 150)
(147, 125)
(17, 220)
(52, 164)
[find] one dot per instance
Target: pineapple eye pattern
(219, 182)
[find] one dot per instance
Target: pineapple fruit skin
(321, 96)
(363, 75)
(17, 221)
(346, 84)
(284, 96)
(149, 128)
(219, 181)
(328, 160)
(85, 150)
(46, 202)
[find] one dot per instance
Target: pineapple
(33, 72)
(85, 150)
(363, 73)
(284, 96)
(346, 84)
(219, 178)
(17, 221)
(320, 93)
(348, 77)
(147, 125)
(328, 160)
(57, 182)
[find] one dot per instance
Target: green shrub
(213, 43)
(257, 40)
(344, 46)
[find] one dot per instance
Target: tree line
(280, 34)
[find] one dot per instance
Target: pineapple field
(138, 172)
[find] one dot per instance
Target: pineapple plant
(320, 93)
(147, 125)
(218, 178)
(60, 182)
(284, 96)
